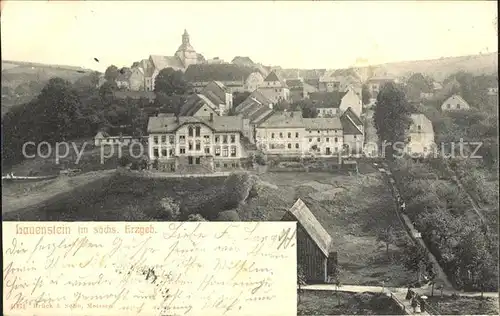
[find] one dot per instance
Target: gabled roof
(217, 72)
(273, 76)
(294, 83)
(313, 82)
(327, 99)
(162, 62)
(350, 123)
(256, 98)
(456, 97)
(242, 60)
(194, 103)
(218, 124)
(312, 226)
(421, 120)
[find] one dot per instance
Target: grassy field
(327, 303)
(464, 305)
(354, 210)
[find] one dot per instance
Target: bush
(124, 161)
(237, 187)
(169, 209)
(195, 218)
(261, 158)
(228, 216)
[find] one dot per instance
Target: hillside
(439, 69)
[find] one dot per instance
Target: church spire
(185, 37)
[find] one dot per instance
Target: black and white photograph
(371, 124)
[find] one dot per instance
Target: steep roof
(242, 60)
(421, 120)
(168, 124)
(312, 226)
(313, 82)
(273, 76)
(350, 123)
(256, 98)
(162, 62)
(194, 103)
(294, 83)
(456, 97)
(216, 92)
(327, 99)
(217, 72)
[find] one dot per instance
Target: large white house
(420, 136)
(196, 144)
(335, 103)
(455, 103)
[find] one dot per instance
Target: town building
(199, 105)
(235, 78)
(375, 84)
(196, 144)
(243, 61)
(315, 252)
(334, 103)
(353, 132)
(299, 89)
(455, 103)
(420, 140)
(274, 88)
(341, 80)
(255, 108)
(104, 138)
(289, 134)
(253, 81)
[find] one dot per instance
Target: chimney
(211, 117)
(177, 118)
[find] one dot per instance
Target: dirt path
(16, 196)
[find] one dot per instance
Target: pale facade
(282, 141)
(274, 88)
(189, 143)
(327, 112)
(351, 100)
(254, 80)
(137, 80)
(455, 103)
(420, 136)
(102, 139)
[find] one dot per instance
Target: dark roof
(218, 124)
(194, 103)
(215, 91)
(353, 116)
(313, 82)
(256, 98)
(312, 226)
(349, 124)
(294, 83)
(327, 99)
(217, 72)
(134, 94)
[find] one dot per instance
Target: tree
(388, 237)
(169, 208)
(171, 82)
(392, 116)
(307, 107)
(111, 73)
(195, 218)
(414, 258)
(106, 91)
(365, 95)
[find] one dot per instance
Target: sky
(300, 34)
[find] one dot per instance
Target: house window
(296, 145)
(163, 139)
(224, 152)
(217, 151)
(448, 106)
(224, 139)
(310, 139)
(458, 106)
(190, 131)
(419, 128)
(197, 160)
(310, 132)
(170, 152)
(171, 140)
(164, 153)
(272, 146)
(233, 151)
(289, 146)
(182, 139)
(198, 131)
(198, 145)
(207, 150)
(409, 138)
(155, 153)
(318, 132)
(327, 140)
(217, 139)
(289, 135)
(155, 139)
(336, 140)
(190, 160)
(233, 139)
(272, 135)
(190, 146)
(296, 135)
(318, 139)
(182, 150)
(355, 137)
(281, 135)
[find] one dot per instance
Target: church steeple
(185, 38)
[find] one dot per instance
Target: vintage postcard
(268, 158)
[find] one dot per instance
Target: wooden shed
(314, 244)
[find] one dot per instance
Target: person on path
(409, 294)
(413, 304)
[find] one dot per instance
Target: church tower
(186, 52)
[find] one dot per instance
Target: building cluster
(211, 133)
